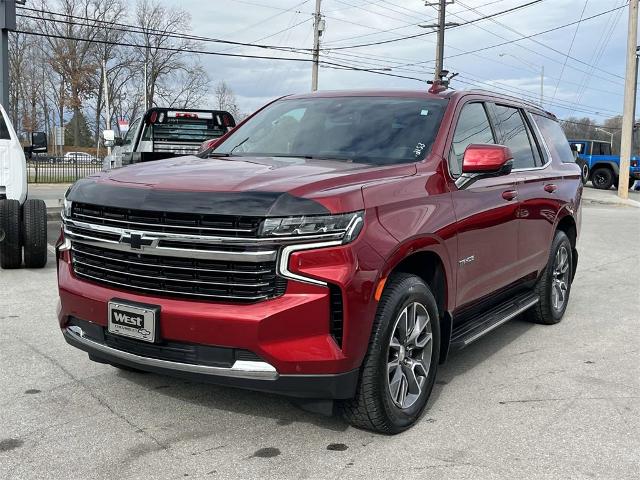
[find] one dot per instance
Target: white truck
(164, 133)
(23, 221)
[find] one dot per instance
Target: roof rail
(511, 97)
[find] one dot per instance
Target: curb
(614, 203)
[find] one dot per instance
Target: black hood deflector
(250, 203)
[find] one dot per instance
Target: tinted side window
(4, 131)
(515, 136)
(555, 139)
(473, 127)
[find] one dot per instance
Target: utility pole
(318, 28)
(442, 11)
(630, 91)
(7, 24)
(440, 82)
(106, 99)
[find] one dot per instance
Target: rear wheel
(10, 234)
(554, 285)
(602, 178)
(400, 367)
(34, 215)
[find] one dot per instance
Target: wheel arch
(613, 166)
(430, 266)
(567, 224)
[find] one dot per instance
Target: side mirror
(39, 142)
(487, 159)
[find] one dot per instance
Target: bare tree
(226, 99)
(164, 54)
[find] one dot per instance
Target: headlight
(348, 225)
(66, 207)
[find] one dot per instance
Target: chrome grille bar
(157, 291)
(152, 265)
(166, 279)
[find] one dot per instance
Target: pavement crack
(540, 400)
(101, 401)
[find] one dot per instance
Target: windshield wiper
(216, 154)
(239, 145)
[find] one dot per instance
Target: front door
(485, 209)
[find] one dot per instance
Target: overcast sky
(514, 68)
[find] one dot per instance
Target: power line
(235, 55)
(573, 39)
(418, 35)
(537, 42)
(142, 30)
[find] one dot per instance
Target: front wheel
(554, 285)
(400, 367)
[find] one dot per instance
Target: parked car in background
(80, 158)
(600, 166)
(335, 247)
(164, 133)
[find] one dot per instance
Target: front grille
(178, 277)
(167, 222)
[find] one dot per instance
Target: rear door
(486, 213)
(537, 182)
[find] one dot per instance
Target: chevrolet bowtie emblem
(136, 241)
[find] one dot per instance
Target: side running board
(491, 319)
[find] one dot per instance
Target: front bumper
(252, 375)
(291, 335)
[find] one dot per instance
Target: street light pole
(630, 91)
(607, 132)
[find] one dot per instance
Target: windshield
(380, 130)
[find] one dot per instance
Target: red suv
(334, 247)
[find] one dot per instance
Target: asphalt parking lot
(527, 401)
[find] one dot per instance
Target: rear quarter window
(555, 138)
(4, 130)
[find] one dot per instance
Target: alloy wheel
(409, 355)
(560, 283)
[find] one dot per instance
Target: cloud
(258, 81)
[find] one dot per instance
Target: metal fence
(67, 169)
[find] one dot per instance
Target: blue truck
(600, 166)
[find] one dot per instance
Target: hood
(247, 186)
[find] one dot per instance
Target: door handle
(550, 187)
(509, 195)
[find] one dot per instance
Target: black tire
(602, 178)
(373, 407)
(34, 227)
(545, 312)
(10, 234)
(584, 168)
